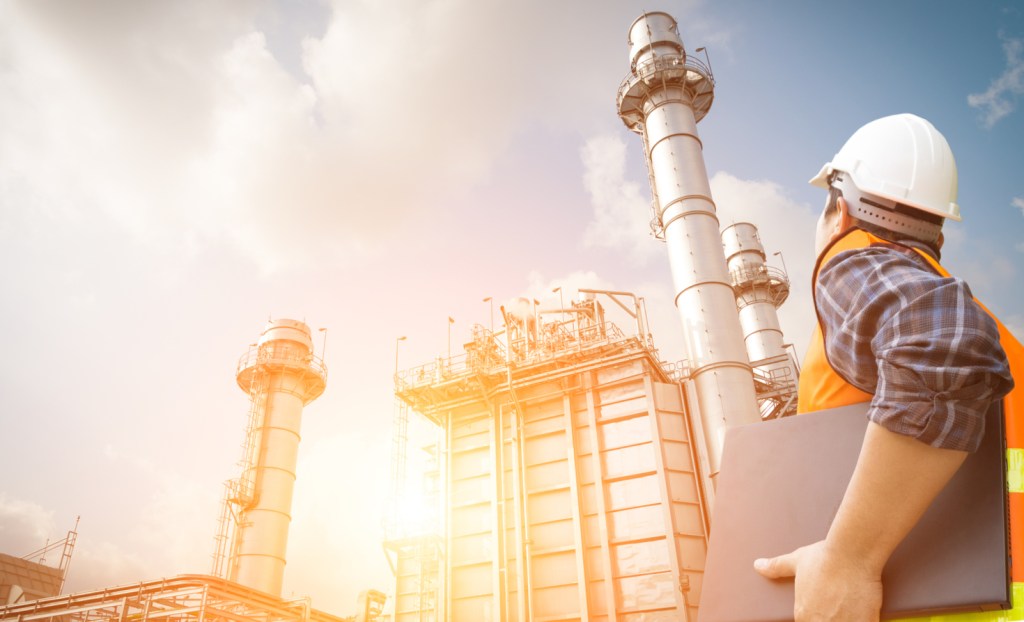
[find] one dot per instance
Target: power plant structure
(567, 476)
(760, 290)
(575, 470)
(664, 96)
(281, 375)
(570, 471)
(29, 577)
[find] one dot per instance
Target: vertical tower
(760, 290)
(281, 375)
(662, 99)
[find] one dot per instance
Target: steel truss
(185, 598)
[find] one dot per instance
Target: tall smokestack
(280, 375)
(662, 99)
(760, 290)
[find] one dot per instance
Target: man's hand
(827, 587)
(839, 578)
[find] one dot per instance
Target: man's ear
(844, 221)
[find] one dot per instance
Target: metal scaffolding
(67, 548)
(185, 598)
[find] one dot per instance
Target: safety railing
(771, 282)
(550, 343)
(276, 356)
(185, 597)
(677, 371)
(669, 62)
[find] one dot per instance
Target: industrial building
(571, 472)
(280, 374)
(570, 480)
(567, 475)
(574, 472)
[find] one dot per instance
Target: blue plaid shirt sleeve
(915, 340)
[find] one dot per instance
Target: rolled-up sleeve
(915, 340)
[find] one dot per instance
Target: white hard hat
(902, 158)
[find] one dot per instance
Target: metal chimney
(280, 375)
(760, 290)
(662, 99)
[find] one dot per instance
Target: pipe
(662, 99)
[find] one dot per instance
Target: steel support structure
(185, 598)
(571, 489)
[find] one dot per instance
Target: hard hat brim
(821, 179)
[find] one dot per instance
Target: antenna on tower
(67, 546)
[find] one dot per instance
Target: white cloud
(177, 123)
(24, 526)
(175, 511)
(621, 207)
(342, 486)
(540, 287)
(98, 564)
(982, 265)
(1000, 98)
(621, 214)
(785, 226)
(1018, 202)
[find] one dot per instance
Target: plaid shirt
(915, 340)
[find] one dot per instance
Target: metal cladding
(662, 99)
(281, 375)
(569, 483)
(760, 290)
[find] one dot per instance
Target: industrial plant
(571, 470)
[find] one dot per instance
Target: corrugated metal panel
(583, 504)
(34, 580)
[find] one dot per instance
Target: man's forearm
(896, 479)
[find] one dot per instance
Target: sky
(173, 174)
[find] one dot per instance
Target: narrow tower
(760, 290)
(281, 375)
(662, 99)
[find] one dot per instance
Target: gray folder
(780, 485)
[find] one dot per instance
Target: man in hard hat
(894, 329)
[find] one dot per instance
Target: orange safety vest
(822, 387)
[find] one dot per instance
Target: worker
(896, 330)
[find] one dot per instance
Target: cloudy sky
(174, 173)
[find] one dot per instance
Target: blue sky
(832, 66)
(171, 174)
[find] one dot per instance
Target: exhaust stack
(280, 375)
(760, 290)
(662, 99)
